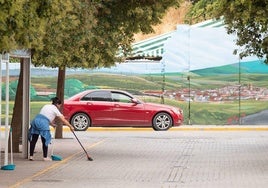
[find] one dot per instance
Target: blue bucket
(56, 158)
(8, 167)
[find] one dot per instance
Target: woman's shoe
(31, 158)
(47, 159)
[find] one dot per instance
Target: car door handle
(89, 103)
(116, 105)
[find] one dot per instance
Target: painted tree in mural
(246, 18)
(74, 33)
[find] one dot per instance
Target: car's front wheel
(80, 121)
(162, 121)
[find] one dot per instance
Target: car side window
(120, 97)
(97, 96)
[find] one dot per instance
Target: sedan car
(116, 108)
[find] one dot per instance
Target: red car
(115, 108)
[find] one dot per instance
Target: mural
(198, 72)
(210, 75)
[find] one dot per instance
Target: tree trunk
(60, 94)
(16, 121)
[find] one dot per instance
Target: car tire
(162, 121)
(80, 122)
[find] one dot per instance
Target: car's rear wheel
(80, 121)
(162, 121)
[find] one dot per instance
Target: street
(156, 159)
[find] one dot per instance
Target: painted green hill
(251, 67)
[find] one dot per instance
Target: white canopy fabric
(192, 48)
(188, 48)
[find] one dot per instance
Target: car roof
(82, 93)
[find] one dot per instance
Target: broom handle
(80, 143)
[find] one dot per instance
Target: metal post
(239, 97)
(163, 83)
(188, 77)
(7, 111)
(189, 100)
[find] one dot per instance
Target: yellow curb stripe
(51, 167)
(181, 128)
(221, 129)
(119, 129)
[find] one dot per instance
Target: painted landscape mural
(197, 72)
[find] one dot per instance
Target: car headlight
(177, 111)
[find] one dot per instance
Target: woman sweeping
(40, 126)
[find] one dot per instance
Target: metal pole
(163, 83)
(189, 100)
(188, 77)
(239, 97)
(7, 111)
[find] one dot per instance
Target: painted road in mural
(260, 118)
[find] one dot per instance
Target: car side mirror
(136, 101)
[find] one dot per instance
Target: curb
(180, 128)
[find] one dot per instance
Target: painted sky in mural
(194, 48)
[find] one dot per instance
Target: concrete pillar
(26, 106)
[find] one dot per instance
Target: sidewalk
(67, 148)
(26, 170)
